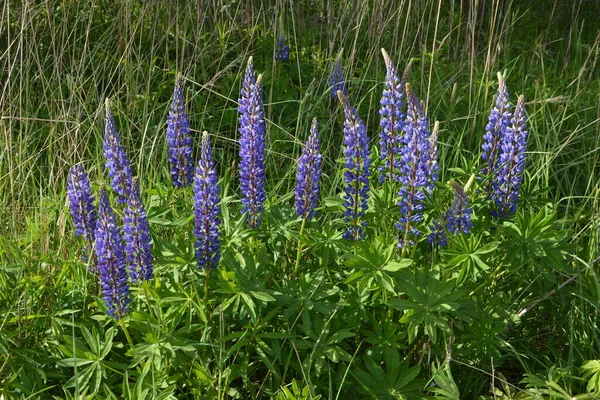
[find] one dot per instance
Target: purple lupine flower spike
(282, 52)
(458, 217)
(392, 122)
(337, 78)
(179, 139)
(495, 130)
(136, 232)
(357, 170)
(437, 236)
(81, 202)
(508, 180)
(414, 172)
(111, 260)
(252, 146)
(309, 175)
(117, 163)
(206, 208)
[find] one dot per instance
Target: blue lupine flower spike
(111, 260)
(309, 175)
(337, 78)
(117, 163)
(357, 171)
(458, 217)
(495, 130)
(136, 232)
(252, 146)
(81, 203)
(282, 52)
(414, 171)
(206, 208)
(83, 211)
(437, 236)
(508, 180)
(179, 139)
(392, 122)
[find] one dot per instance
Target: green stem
(206, 276)
(147, 294)
(126, 332)
(299, 251)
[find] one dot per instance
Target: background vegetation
(59, 60)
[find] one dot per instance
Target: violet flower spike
(392, 122)
(437, 236)
(81, 203)
(282, 51)
(357, 171)
(252, 146)
(136, 232)
(117, 163)
(495, 131)
(111, 260)
(458, 217)
(507, 182)
(309, 175)
(206, 208)
(179, 139)
(414, 171)
(337, 78)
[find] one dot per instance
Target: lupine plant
(337, 81)
(179, 139)
(282, 52)
(495, 132)
(458, 217)
(136, 233)
(414, 171)
(252, 146)
(392, 122)
(111, 260)
(117, 163)
(357, 171)
(81, 203)
(508, 179)
(309, 175)
(206, 208)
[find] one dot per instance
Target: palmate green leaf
(429, 303)
(591, 373)
(391, 380)
(471, 255)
